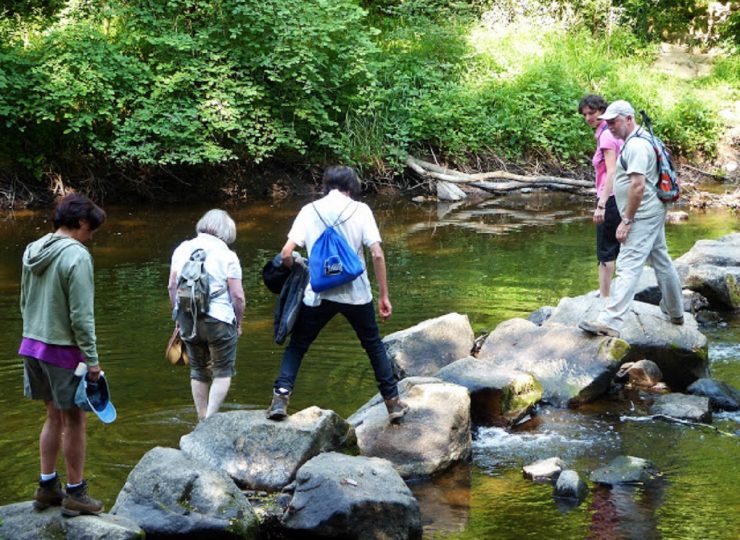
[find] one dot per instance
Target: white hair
(218, 223)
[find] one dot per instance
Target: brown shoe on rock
(49, 493)
(77, 502)
(397, 409)
(279, 407)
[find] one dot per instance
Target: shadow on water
(491, 260)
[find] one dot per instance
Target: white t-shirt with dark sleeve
(359, 229)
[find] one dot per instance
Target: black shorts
(607, 246)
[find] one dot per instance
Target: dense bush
(144, 85)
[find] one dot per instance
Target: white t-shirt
(358, 230)
(639, 157)
(221, 264)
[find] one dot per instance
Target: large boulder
(498, 397)
(712, 268)
(352, 497)
(430, 345)
(722, 396)
(571, 366)
(21, 522)
(263, 454)
(680, 351)
(169, 494)
(433, 435)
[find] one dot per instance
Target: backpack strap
(337, 222)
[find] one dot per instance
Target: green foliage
(145, 84)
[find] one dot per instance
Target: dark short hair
(342, 178)
(74, 207)
(592, 101)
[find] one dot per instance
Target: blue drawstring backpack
(332, 262)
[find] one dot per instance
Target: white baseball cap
(618, 108)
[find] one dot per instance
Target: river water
(498, 259)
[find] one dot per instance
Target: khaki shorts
(42, 380)
(212, 351)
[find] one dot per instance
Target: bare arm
(236, 294)
(634, 198)
(172, 288)
(384, 303)
(287, 253)
(610, 160)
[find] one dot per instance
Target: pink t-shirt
(604, 141)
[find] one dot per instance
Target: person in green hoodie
(57, 298)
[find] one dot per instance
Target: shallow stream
(499, 259)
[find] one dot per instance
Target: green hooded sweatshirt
(57, 294)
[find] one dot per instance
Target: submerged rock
(544, 470)
(571, 366)
(433, 435)
(263, 454)
(430, 345)
(722, 396)
(680, 351)
(352, 497)
(625, 470)
(685, 407)
(169, 494)
(21, 522)
(498, 397)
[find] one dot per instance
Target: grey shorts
(42, 380)
(212, 351)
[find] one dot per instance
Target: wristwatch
(628, 221)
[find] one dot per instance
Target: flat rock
(571, 366)
(433, 435)
(21, 522)
(544, 470)
(168, 493)
(262, 454)
(681, 352)
(683, 406)
(625, 470)
(498, 397)
(430, 345)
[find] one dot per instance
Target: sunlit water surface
(492, 261)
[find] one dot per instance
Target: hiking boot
(674, 320)
(77, 502)
(397, 409)
(279, 407)
(597, 329)
(49, 493)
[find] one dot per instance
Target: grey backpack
(193, 296)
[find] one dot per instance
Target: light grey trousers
(645, 244)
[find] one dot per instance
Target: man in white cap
(642, 230)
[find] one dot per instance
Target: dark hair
(74, 207)
(592, 101)
(341, 178)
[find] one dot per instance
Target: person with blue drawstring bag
(335, 230)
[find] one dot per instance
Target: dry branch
(510, 181)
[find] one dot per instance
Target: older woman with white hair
(210, 338)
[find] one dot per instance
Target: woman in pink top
(606, 214)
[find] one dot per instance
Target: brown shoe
(279, 407)
(77, 502)
(49, 493)
(397, 409)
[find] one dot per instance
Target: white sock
(47, 477)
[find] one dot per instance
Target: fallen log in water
(487, 181)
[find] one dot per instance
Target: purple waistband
(64, 356)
